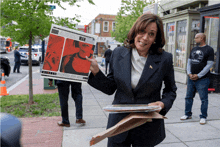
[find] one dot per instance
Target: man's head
(16, 48)
(109, 46)
(200, 38)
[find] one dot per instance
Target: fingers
(158, 103)
(94, 65)
(194, 77)
(90, 60)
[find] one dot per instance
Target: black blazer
(158, 68)
(17, 56)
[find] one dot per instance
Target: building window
(180, 58)
(113, 26)
(170, 37)
(210, 29)
(105, 26)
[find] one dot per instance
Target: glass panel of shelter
(194, 30)
(180, 60)
(211, 30)
(170, 37)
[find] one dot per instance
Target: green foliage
(126, 17)
(45, 105)
(33, 18)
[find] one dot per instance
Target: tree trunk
(31, 101)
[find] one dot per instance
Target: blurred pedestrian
(17, 59)
(76, 91)
(107, 56)
(136, 73)
(198, 69)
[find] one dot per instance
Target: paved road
(15, 77)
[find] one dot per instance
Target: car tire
(39, 61)
(2, 70)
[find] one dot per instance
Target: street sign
(52, 7)
(151, 8)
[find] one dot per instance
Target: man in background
(107, 56)
(17, 59)
(198, 69)
(76, 91)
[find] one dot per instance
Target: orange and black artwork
(53, 53)
(74, 57)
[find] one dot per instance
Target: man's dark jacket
(17, 56)
(158, 68)
(107, 55)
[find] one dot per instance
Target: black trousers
(63, 89)
(17, 66)
(106, 67)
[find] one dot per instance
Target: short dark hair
(141, 23)
(109, 46)
(76, 43)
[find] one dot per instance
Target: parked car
(5, 66)
(36, 54)
(3, 45)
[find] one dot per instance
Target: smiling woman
(147, 34)
(136, 73)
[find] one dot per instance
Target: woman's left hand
(158, 103)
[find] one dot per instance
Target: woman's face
(145, 38)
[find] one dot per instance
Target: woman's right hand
(94, 67)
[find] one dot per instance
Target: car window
(23, 49)
(35, 50)
(26, 50)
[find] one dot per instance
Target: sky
(88, 11)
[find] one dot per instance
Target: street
(15, 77)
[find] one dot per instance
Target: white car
(36, 54)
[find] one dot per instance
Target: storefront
(180, 29)
(210, 25)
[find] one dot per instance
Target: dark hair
(118, 45)
(142, 22)
(109, 46)
(76, 43)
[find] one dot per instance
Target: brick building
(102, 25)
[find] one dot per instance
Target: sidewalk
(179, 133)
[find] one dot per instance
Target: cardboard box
(129, 122)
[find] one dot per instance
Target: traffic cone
(3, 90)
(8, 49)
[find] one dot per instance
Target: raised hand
(94, 67)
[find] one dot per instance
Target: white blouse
(137, 66)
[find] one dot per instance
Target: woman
(136, 74)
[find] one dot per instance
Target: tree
(32, 18)
(127, 15)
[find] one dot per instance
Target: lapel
(150, 68)
(125, 72)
